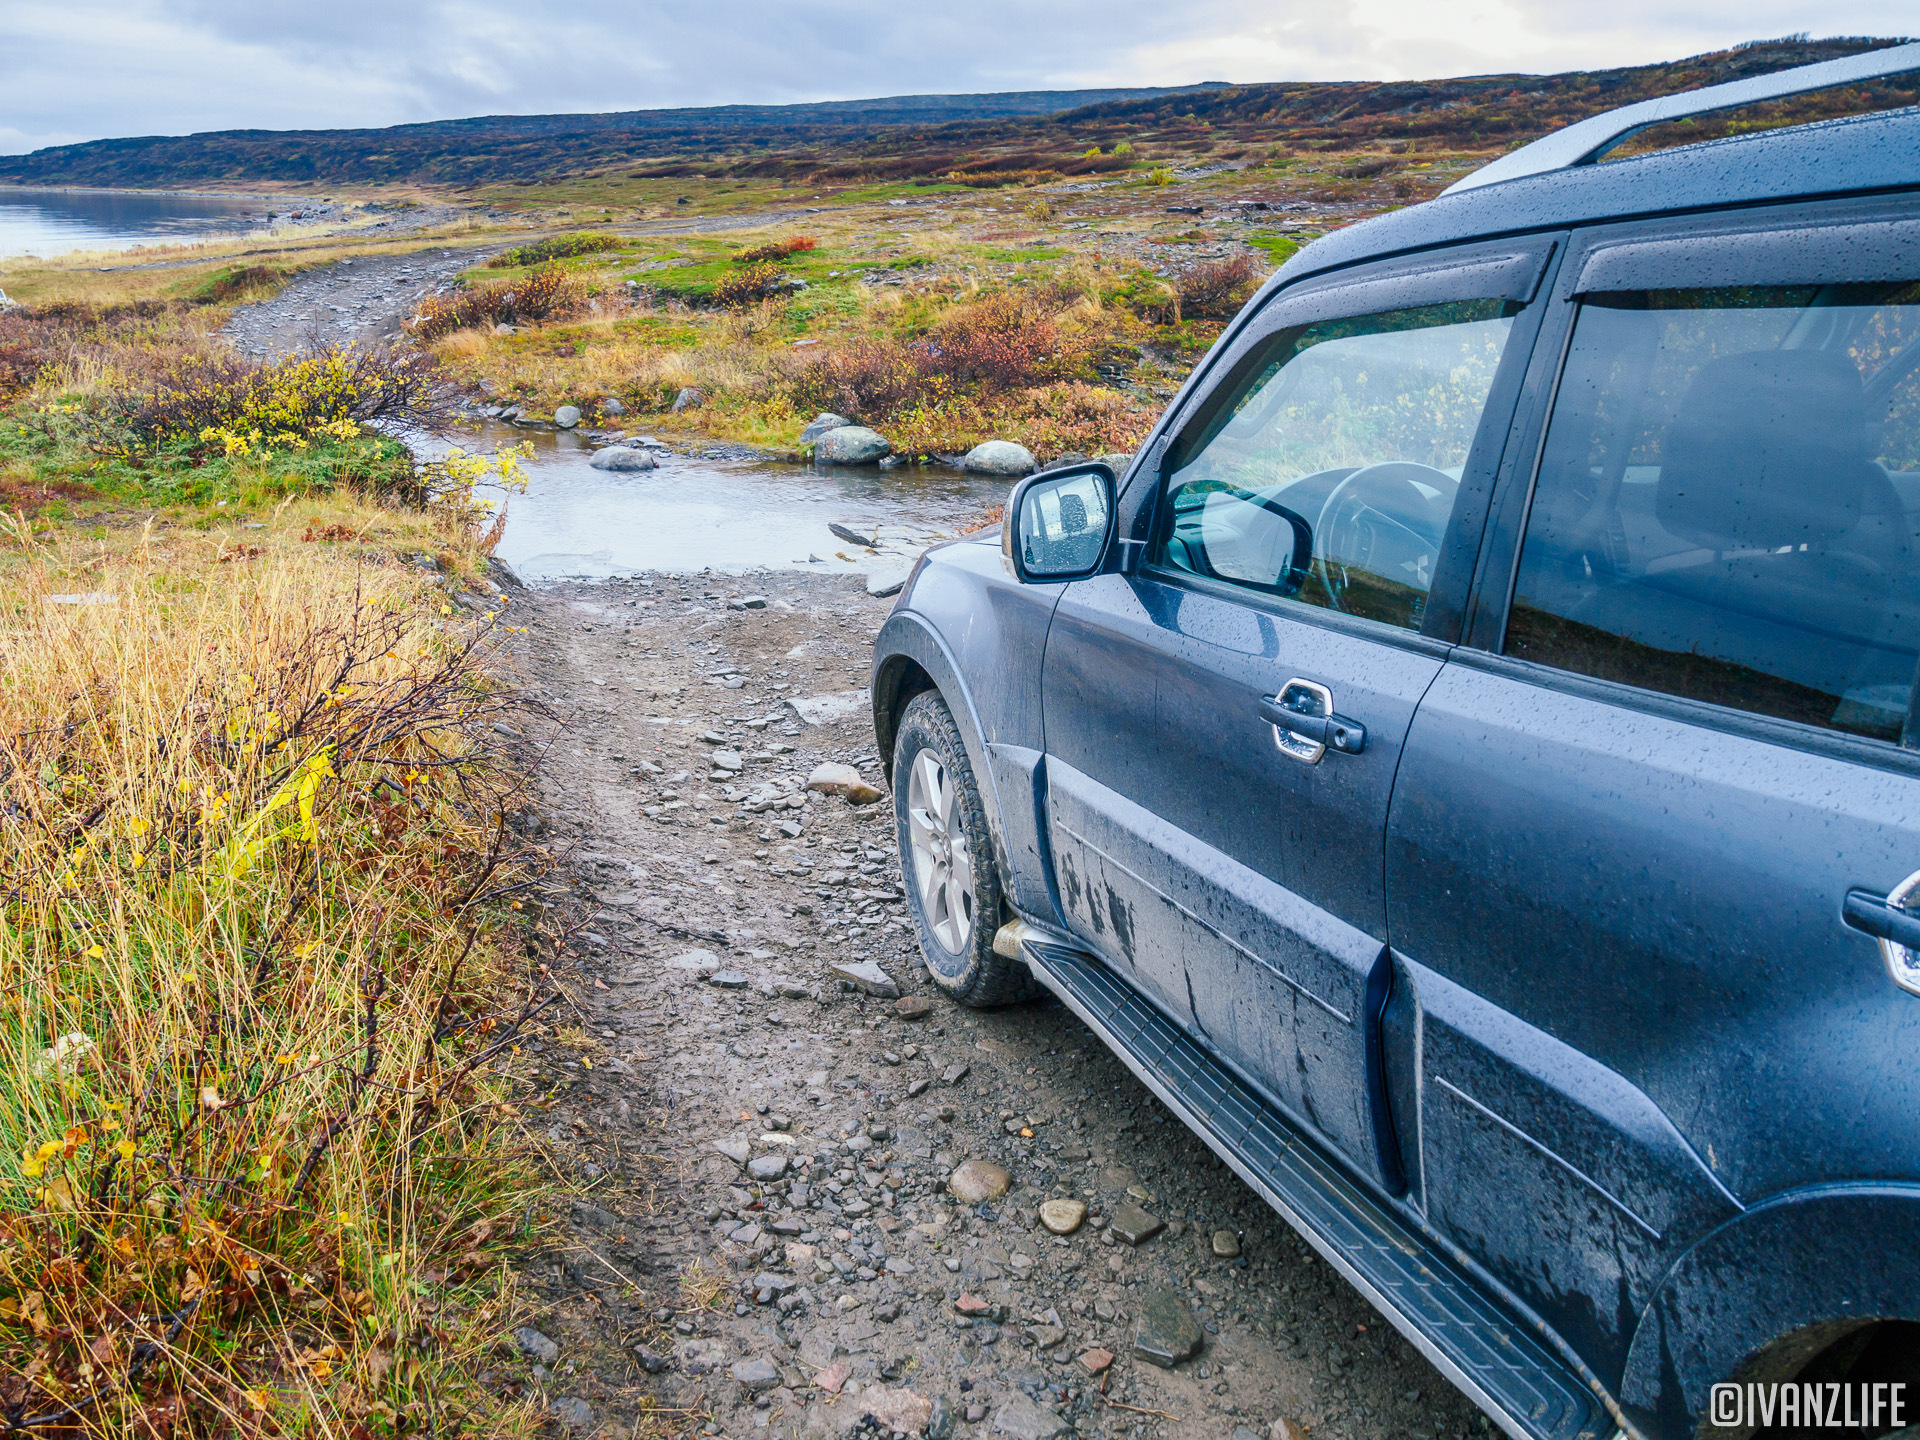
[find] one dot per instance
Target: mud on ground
(679, 1284)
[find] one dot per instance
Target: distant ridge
(985, 140)
(516, 146)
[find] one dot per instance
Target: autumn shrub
(1006, 341)
(259, 948)
(776, 249)
(556, 247)
(233, 403)
(872, 378)
(1148, 296)
(549, 293)
(1216, 289)
(237, 283)
(746, 286)
(39, 340)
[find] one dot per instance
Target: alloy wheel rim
(942, 865)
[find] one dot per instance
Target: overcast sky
(83, 69)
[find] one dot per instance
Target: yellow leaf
(126, 1149)
(60, 1194)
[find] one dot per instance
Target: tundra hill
(494, 148)
(1473, 113)
(978, 140)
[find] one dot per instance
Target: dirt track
(858, 1249)
(850, 1260)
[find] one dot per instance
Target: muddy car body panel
(976, 635)
(1494, 842)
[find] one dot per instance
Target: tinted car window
(1329, 473)
(1727, 502)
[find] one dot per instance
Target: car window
(1727, 501)
(1329, 473)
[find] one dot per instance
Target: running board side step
(1529, 1391)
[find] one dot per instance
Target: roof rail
(1588, 140)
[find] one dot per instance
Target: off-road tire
(975, 975)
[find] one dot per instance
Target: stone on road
(574, 1414)
(1134, 1225)
(539, 1346)
(836, 779)
(1023, 1419)
(1063, 1217)
(978, 1181)
(757, 1373)
(867, 977)
(1168, 1332)
(899, 1410)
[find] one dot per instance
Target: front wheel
(946, 858)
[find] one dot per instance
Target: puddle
(730, 516)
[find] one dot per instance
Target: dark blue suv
(1469, 767)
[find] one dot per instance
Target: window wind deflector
(1859, 253)
(1511, 277)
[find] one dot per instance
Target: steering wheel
(1384, 521)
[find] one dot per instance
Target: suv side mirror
(1058, 523)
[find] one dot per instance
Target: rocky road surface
(358, 301)
(765, 1235)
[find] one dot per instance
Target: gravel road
(762, 1237)
(354, 301)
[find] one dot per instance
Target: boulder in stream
(622, 457)
(850, 445)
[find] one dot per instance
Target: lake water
(54, 222)
(727, 516)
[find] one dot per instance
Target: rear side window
(1728, 503)
(1328, 474)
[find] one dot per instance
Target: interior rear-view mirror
(1058, 523)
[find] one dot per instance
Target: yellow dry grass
(257, 936)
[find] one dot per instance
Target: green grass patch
(554, 247)
(192, 472)
(1277, 248)
(1031, 252)
(894, 190)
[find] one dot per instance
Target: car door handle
(1869, 912)
(1305, 726)
(1886, 918)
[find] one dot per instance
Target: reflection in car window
(1727, 503)
(1330, 474)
